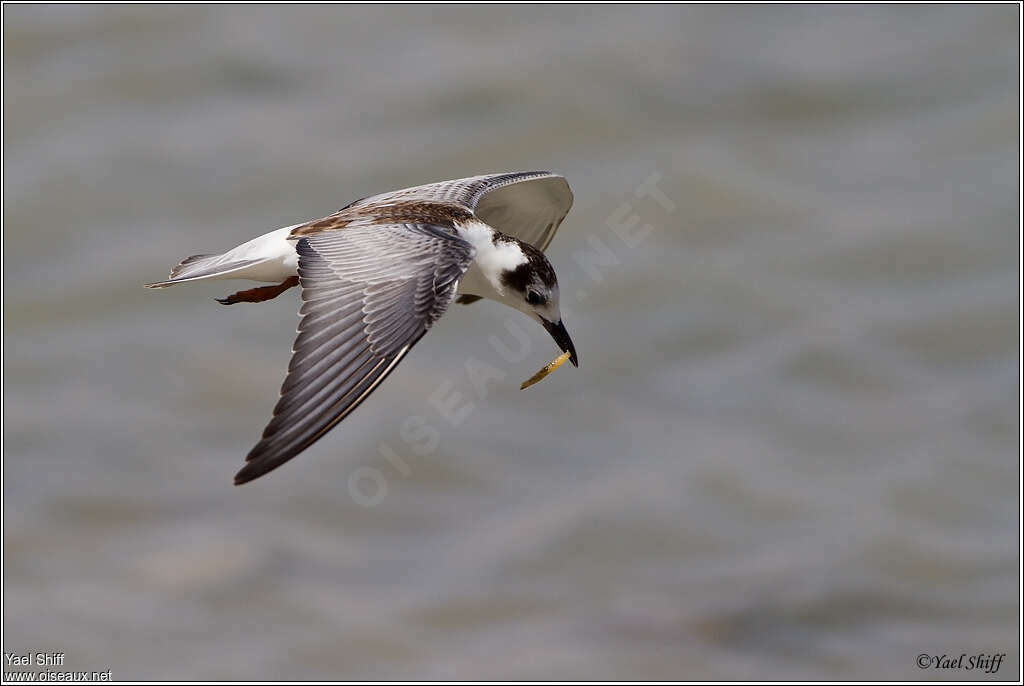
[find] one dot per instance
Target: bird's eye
(533, 297)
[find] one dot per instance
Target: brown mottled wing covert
(527, 205)
(369, 294)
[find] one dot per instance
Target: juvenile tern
(375, 276)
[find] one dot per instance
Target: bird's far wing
(369, 293)
(529, 206)
(526, 205)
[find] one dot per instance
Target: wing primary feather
(369, 294)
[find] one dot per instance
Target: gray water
(790, 450)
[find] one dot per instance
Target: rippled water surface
(790, 450)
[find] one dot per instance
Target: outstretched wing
(369, 293)
(527, 205)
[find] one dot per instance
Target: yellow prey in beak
(546, 369)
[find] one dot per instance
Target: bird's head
(532, 287)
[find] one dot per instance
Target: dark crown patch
(536, 268)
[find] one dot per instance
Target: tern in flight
(377, 274)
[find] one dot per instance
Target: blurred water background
(790, 450)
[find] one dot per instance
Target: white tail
(270, 257)
(200, 267)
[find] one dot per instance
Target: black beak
(561, 336)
